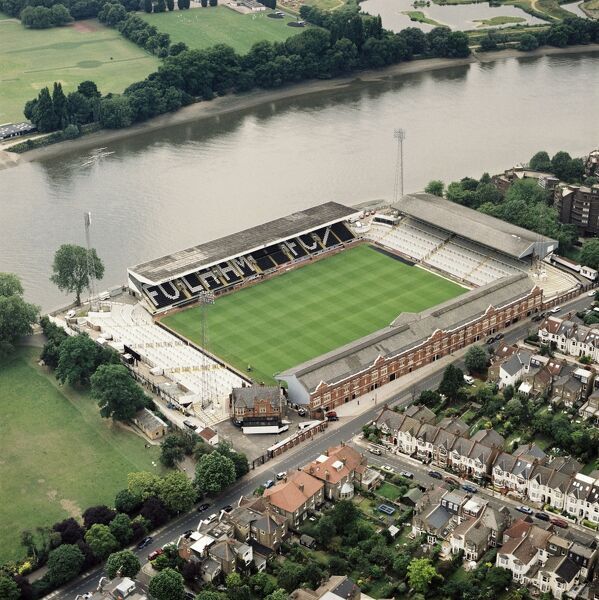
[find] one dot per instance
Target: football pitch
(301, 314)
(204, 27)
(33, 58)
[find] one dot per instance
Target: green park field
(306, 312)
(58, 455)
(204, 27)
(31, 59)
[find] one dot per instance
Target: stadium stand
(131, 326)
(232, 261)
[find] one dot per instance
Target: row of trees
(562, 165)
(40, 17)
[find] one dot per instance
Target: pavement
(352, 418)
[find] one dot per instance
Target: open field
(31, 59)
(311, 310)
(494, 21)
(59, 456)
(204, 27)
(419, 17)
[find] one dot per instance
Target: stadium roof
(476, 226)
(193, 259)
(407, 331)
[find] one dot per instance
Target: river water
(169, 189)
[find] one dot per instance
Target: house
(547, 485)
(256, 406)
(570, 338)
(511, 473)
(337, 587)
(567, 390)
(256, 522)
(539, 378)
(340, 469)
(151, 425)
(293, 498)
(582, 498)
(511, 369)
(420, 413)
(231, 555)
(590, 409)
(209, 436)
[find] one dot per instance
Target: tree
(209, 595)
(214, 473)
(64, 563)
(429, 398)
(72, 266)
(452, 382)
(239, 459)
(89, 89)
(98, 514)
(325, 530)
(233, 580)
(290, 575)
(143, 484)
(476, 359)
(421, 573)
(121, 529)
(160, 6)
(126, 501)
(154, 510)
(78, 358)
(115, 112)
(167, 585)
(171, 452)
(177, 492)
(8, 588)
(279, 594)
(344, 514)
(528, 42)
(70, 531)
(124, 563)
(16, 315)
(117, 393)
(101, 540)
(589, 256)
(540, 161)
(435, 187)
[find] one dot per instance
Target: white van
(469, 380)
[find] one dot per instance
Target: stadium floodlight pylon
(205, 299)
(400, 136)
(91, 285)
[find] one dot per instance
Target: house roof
(207, 434)
(474, 225)
(338, 464)
(290, 495)
(489, 438)
(246, 396)
(146, 419)
(454, 425)
(422, 413)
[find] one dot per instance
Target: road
(343, 431)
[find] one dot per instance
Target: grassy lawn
(419, 17)
(31, 59)
(59, 456)
(311, 310)
(389, 491)
(498, 21)
(204, 27)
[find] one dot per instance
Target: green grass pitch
(203, 27)
(308, 311)
(59, 456)
(31, 59)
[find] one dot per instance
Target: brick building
(578, 205)
(256, 405)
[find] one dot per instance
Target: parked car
(469, 380)
(558, 522)
(591, 293)
(387, 469)
(228, 508)
(189, 424)
(210, 518)
(188, 533)
(282, 475)
(375, 450)
(407, 474)
(301, 412)
(490, 341)
(499, 336)
(332, 416)
(542, 516)
(435, 474)
(470, 488)
(155, 553)
(203, 507)
(145, 542)
(525, 510)
(555, 309)
(268, 484)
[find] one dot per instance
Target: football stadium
(331, 302)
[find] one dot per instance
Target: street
(342, 431)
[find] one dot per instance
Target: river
(168, 189)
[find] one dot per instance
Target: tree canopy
(476, 359)
(452, 382)
(167, 585)
(214, 473)
(123, 562)
(78, 358)
(117, 393)
(101, 540)
(16, 315)
(70, 269)
(589, 256)
(177, 492)
(421, 572)
(8, 588)
(64, 563)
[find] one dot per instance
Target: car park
(525, 510)
(203, 507)
(155, 554)
(407, 474)
(559, 522)
(542, 516)
(470, 488)
(435, 475)
(145, 542)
